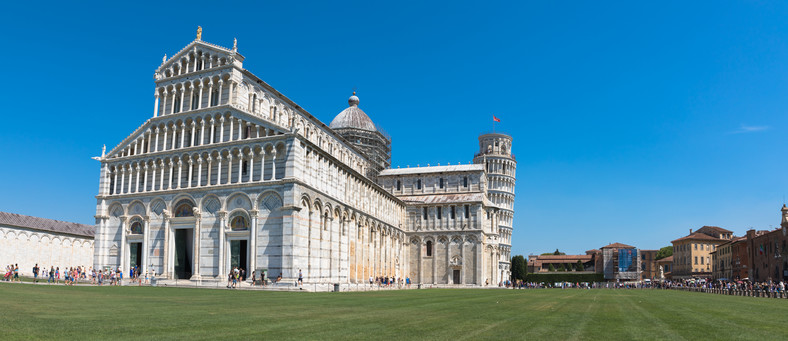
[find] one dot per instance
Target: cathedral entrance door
(238, 252)
(183, 253)
(456, 276)
(135, 255)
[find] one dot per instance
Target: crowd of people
(769, 286)
(81, 274)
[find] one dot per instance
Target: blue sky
(632, 122)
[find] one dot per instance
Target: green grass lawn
(75, 313)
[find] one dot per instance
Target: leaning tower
(495, 152)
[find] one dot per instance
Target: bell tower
(495, 153)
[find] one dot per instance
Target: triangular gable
(151, 122)
(201, 45)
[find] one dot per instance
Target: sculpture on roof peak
(235, 44)
(199, 32)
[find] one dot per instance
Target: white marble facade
(230, 172)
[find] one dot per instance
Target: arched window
(239, 223)
(136, 227)
(184, 209)
(429, 248)
(177, 104)
(195, 99)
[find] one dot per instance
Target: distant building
(543, 263)
(768, 253)
(28, 241)
(692, 253)
(648, 264)
(621, 262)
(740, 259)
(618, 262)
(665, 267)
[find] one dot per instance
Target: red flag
(496, 119)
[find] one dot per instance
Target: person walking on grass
(35, 273)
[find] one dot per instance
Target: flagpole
(493, 124)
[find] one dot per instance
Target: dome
(353, 117)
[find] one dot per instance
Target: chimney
(690, 231)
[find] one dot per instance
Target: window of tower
(441, 183)
(399, 185)
(439, 212)
(467, 211)
(214, 97)
(425, 213)
(418, 184)
(465, 182)
(244, 166)
(195, 100)
(452, 213)
(429, 248)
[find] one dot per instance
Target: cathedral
(228, 172)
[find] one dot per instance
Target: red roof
(564, 257)
(697, 236)
(666, 259)
(716, 228)
(618, 246)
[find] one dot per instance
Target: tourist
(51, 275)
(35, 273)
(300, 278)
(16, 273)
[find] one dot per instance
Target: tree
(579, 265)
(666, 251)
(550, 267)
(561, 267)
(519, 268)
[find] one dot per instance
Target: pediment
(152, 123)
(198, 48)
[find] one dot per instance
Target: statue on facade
(199, 32)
